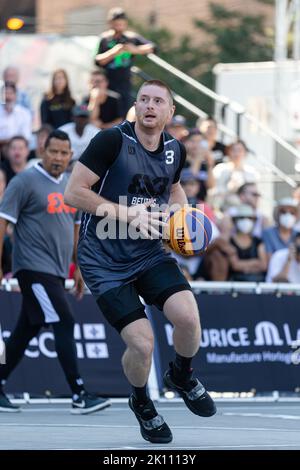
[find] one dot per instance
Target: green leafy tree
(231, 37)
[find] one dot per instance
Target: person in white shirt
(80, 131)
(14, 119)
(232, 175)
(11, 74)
(284, 265)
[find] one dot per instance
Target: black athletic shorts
(121, 305)
(44, 299)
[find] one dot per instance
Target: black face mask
(298, 250)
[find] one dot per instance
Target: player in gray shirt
(46, 230)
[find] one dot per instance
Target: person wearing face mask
(285, 264)
(248, 261)
(283, 232)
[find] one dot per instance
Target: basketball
(189, 231)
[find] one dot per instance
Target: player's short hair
(160, 84)
(57, 134)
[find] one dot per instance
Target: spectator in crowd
(17, 156)
(56, 107)
(177, 127)
(284, 264)
(249, 261)
(11, 74)
(215, 265)
(192, 184)
(200, 162)
(249, 194)
(41, 136)
(2, 183)
(104, 104)
(14, 119)
(296, 196)
(223, 217)
(231, 175)
(80, 131)
(116, 49)
(283, 232)
(209, 130)
(242, 257)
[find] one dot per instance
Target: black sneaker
(87, 403)
(6, 405)
(153, 426)
(196, 398)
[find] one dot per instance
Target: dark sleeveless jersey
(126, 169)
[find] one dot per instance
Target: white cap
(287, 201)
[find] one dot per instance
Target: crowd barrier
(250, 343)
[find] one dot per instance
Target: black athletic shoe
(153, 426)
(87, 403)
(6, 405)
(196, 398)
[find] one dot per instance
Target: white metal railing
(187, 104)
(11, 284)
(234, 106)
(205, 286)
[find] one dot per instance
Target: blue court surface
(237, 425)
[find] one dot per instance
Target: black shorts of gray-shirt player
(118, 271)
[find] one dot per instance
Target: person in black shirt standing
(141, 164)
(115, 52)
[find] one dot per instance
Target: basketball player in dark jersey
(140, 163)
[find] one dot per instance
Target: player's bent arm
(177, 195)
(78, 194)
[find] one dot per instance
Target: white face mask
(245, 225)
(287, 220)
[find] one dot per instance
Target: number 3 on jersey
(169, 157)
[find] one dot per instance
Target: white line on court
(169, 408)
(146, 447)
(264, 415)
(113, 426)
